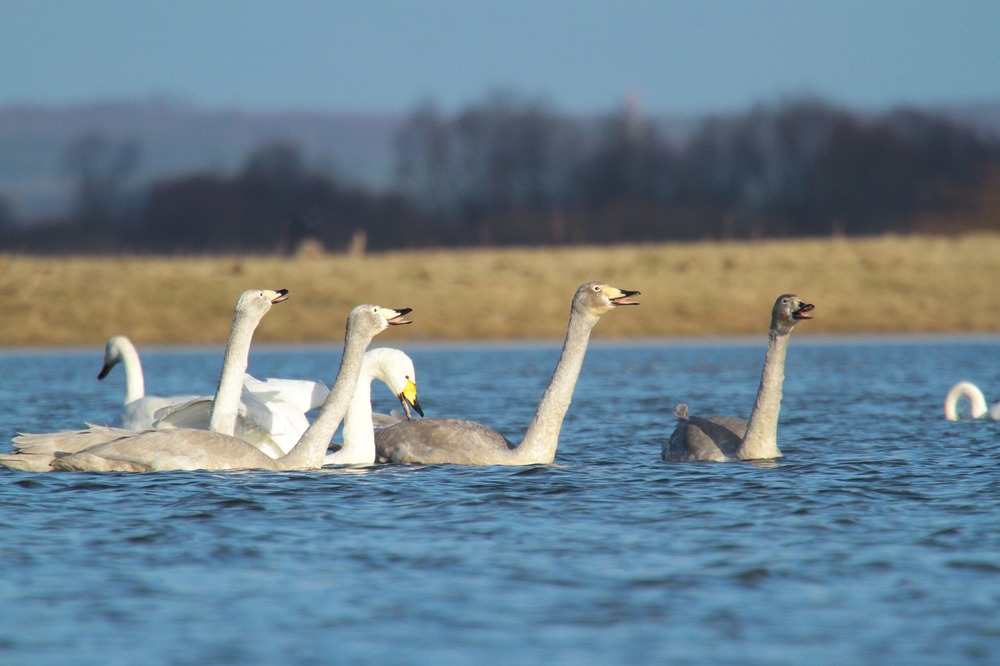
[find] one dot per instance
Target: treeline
(513, 172)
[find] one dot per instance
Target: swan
(393, 368)
(35, 452)
(187, 449)
(137, 408)
(977, 402)
(443, 440)
(724, 438)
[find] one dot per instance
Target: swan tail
(681, 412)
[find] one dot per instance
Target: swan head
(256, 302)
(376, 318)
(789, 310)
(395, 369)
(596, 298)
(113, 353)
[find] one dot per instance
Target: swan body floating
(187, 449)
(444, 440)
(138, 408)
(36, 452)
(271, 414)
(977, 402)
(723, 438)
(394, 369)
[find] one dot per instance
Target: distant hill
(175, 138)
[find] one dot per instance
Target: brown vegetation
(890, 284)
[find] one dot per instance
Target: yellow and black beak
(277, 295)
(408, 398)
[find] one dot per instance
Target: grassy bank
(877, 285)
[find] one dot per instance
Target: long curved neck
(359, 433)
(310, 450)
(135, 384)
(542, 436)
(761, 438)
(234, 365)
(968, 390)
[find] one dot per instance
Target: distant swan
(395, 370)
(35, 452)
(463, 442)
(137, 408)
(977, 402)
(723, 438)
(185, 449)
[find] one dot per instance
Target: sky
(577, 56)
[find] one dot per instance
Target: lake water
(875, 540)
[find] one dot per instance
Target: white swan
(468, 443)
(393, 368)
(977, 402)
(185, 449)
(137, 408)
(724, 438)
(35, 452)
(271, 414)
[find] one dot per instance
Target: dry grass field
(873, 285)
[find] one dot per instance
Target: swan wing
(34, 452)
(301, 394)
(704, 438)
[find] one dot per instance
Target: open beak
(803, 311)
(279, 295)
(397, 316)
(621, 296)
(408, 398)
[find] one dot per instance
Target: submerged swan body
(186, 449)
(724, 438)
(36, 452)
(977, 402)
(394, 369)
(138, 408)
(468, 443)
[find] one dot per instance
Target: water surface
(876, 539)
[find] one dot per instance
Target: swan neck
(311, 448)
(968, 390)
(225, 407)
(135, 383)
(542, 436)
(358, 433)
(761, 438)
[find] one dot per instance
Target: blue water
(875, 540)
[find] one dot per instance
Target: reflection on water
(876, 539)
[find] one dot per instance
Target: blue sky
(579, 56)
